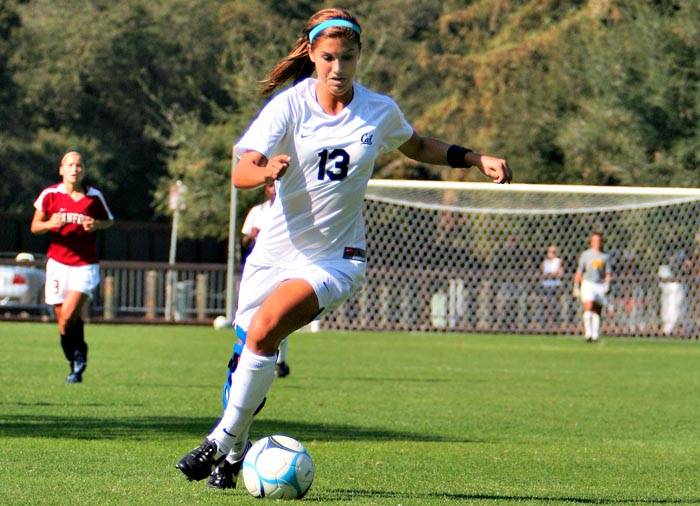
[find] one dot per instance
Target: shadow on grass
(63, 404)
(150, 427)
(350, 494)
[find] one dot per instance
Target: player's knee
(261, 335)
(66, 319)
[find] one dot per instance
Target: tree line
(601, 92)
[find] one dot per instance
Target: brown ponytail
(297, 65)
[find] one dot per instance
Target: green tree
(121, 74)
(203, 164)
(9, 23)
(570, 91)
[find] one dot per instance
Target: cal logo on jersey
(367, 138)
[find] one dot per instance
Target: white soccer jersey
(256, 218)
(318, 208)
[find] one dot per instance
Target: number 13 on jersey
(337, 172)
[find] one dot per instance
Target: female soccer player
(71, 213)
(318, 142)
(592, 281)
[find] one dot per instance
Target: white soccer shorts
(61, 279)
(332, 281)
(594, 292)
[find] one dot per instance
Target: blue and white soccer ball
(278, 467)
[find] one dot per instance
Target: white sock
(249, 384)
(234, 456)
(282, 350)
(588, 323)
(595, 325)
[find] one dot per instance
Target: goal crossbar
(529, 198)
(538, 188)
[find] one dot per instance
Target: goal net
(469, 257)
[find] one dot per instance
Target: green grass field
(389, 418)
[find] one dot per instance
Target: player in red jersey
(71, 213)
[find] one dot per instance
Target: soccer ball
(278, 467)
(221, 322)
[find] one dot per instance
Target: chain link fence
(468, 257)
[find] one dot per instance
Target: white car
(21, 282)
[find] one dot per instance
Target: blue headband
(333, 22)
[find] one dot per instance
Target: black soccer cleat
(225, 475)
(281, 370)
(74, 377)
(222, 477)
(78, 366)
(198, 464)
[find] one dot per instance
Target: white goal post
(468, 256)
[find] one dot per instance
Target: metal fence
(142, 291)
(455, 300)
(159, 291)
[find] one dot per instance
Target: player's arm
(608, 275)
(578, 277)
(91, 224)
(254, 169)
(42, 223)
(428, 150)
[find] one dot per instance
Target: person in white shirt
(317, 141)
(255, 221)
(552, 271)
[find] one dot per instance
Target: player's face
(72, 168)
(596, 242)
(336, 61)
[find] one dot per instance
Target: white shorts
(594, 292)
(332, 281)
(62, 278)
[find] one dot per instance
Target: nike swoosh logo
(304, 136)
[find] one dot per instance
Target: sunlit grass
(388, 418)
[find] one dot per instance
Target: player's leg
(66, 342)
(281, 367)
(81, 283)
(290, 306)
(55, 292)
(251, 297)
(587, 299)
(596, 310)
(588, 320)
(598, 301)
(224, 475)
(72, 328)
